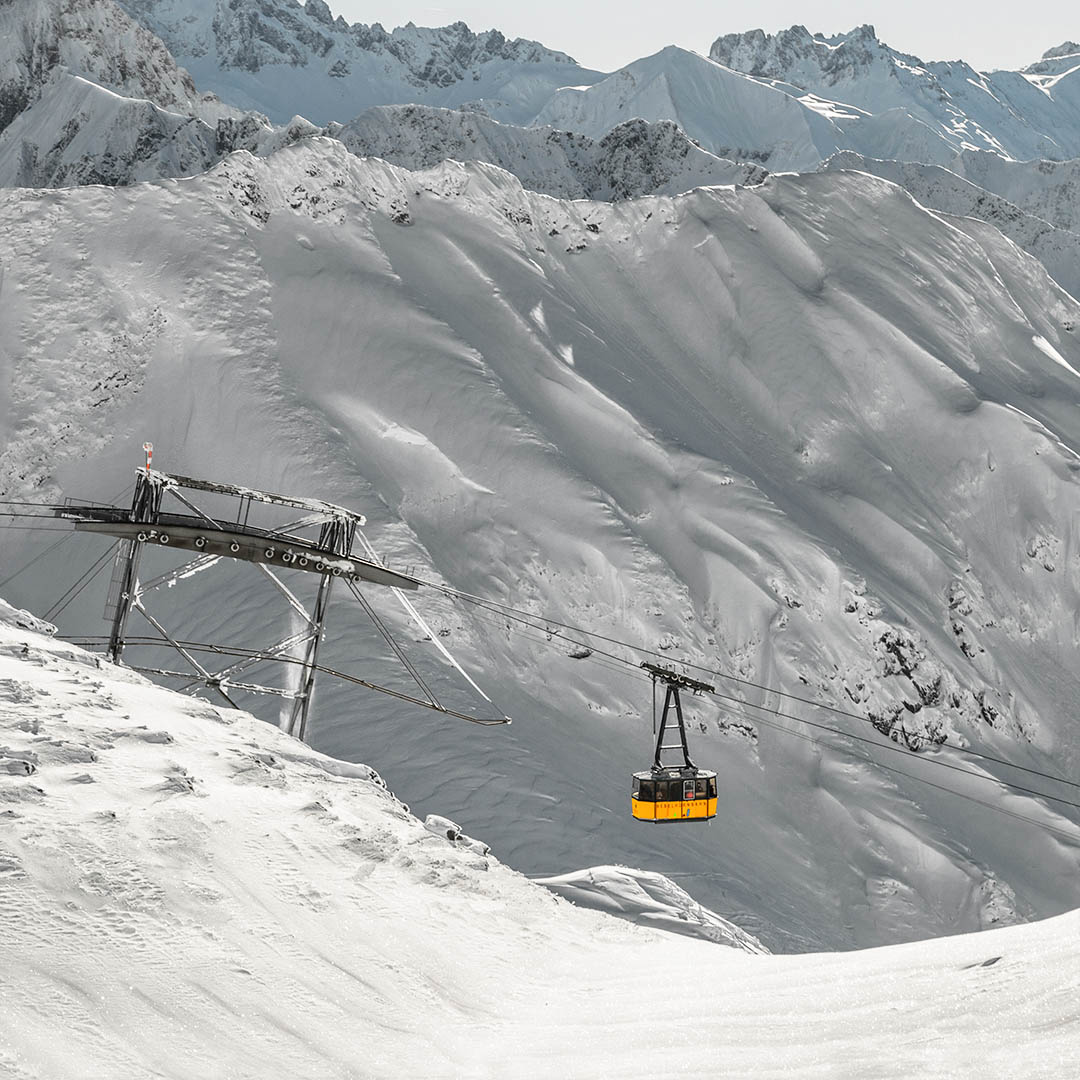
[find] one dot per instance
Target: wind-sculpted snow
(188, 892)
(1023, 115)
(283, 59)
(937, 188)
(649, 899)
(808, 434)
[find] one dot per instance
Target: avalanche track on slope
(809, 434)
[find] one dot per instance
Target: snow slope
(728, 113)
(808, 433)
(1048, 189)
(938, 188)
(77, 132)
(282, 58)
(96, 40)
(88, 96)
(1030, 114)
(69, 128)
(188, 892)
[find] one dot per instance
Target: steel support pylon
(301, 706)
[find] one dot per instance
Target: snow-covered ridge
(88, 96)
(938, 188)
(712, 424)
(283, 58)
(96, 40)
(633, 159)
(727, 113)
(1015, 114)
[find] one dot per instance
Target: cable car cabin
(674, 794)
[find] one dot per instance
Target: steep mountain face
(282, 58)
(1047, 189)
(937, 188)
(633, 159)
(1019, 114)
(77, 132)
(727, 113)
(806, 434)
(90, 38)
(91, 97)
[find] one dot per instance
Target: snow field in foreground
(189, 893)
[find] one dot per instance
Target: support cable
(95, 569)
(537, 622)
(390, 640)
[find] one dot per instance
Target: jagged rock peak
(250, 34)
(777, 56)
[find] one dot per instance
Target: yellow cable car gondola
(673, 793)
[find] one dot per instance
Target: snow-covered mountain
(75, 130)
(88, 96)
(938, 188)
(188, 892)
(1047, 189)
(846, 92)
(281, 58)
(1034, 113)
(635, 158)
(97, 41)
(808, 434)
(728, 113)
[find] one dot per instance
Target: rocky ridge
(633, 159)
(1014, 114)
(283, 58)
(942, 189)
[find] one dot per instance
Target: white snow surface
(1048, 189)
(78, 123)
(938, 188)
(650, 899)
(95, 39)
(88, 96)
(801, 434)
(189, 893)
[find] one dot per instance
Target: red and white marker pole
(149, 448)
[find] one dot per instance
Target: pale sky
(605, 34)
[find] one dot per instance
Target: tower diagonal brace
(301, 706)
(126, 585)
